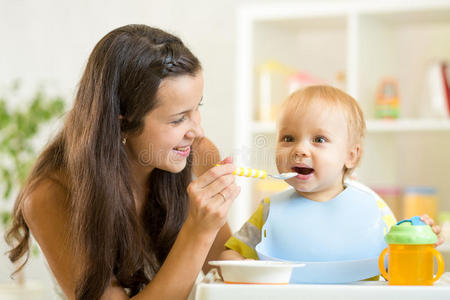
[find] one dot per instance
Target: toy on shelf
(276, 82)
(340, 80)
(419, 200)
(392, 195)
(273, 88)
(302, 79)
(387, 99)
(410, 254)
(436, 99)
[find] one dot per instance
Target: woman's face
(171, 127)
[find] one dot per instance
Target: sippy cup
(410, 260)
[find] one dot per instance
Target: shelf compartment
(402, 45)
(292, 46)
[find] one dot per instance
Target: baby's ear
(353, 156)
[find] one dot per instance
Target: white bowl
(255, 271)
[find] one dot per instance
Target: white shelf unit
(368, 41)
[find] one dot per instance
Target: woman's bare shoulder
(49, 196)
(46, 210)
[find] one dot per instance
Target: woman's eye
(319, 139)
(179, 120)
(287, 139)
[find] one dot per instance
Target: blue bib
(348, 227)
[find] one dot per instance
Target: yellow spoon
(261, 174)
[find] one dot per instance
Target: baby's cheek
(284, 161)
(281, 159)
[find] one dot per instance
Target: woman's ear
(353, 156)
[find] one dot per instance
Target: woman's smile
(182, 151)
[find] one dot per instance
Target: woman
(110, 201)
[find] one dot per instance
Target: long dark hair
(122, 76)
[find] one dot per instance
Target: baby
(326, 216)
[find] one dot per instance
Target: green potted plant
(20, 125)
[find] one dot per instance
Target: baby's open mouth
(303, 170)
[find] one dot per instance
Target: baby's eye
(287, 139)
(183, 118)
(319, 139)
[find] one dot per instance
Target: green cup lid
(411, 232)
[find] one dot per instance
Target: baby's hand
(436, 229)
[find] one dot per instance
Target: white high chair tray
(368, 290)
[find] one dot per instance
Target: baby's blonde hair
(299, 101)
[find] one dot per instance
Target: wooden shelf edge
(408, 125)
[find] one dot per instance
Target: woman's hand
(436, 229)
(211, 196)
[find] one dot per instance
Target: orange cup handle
(440, 262)
(381, 264)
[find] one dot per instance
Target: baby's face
(314, 143)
